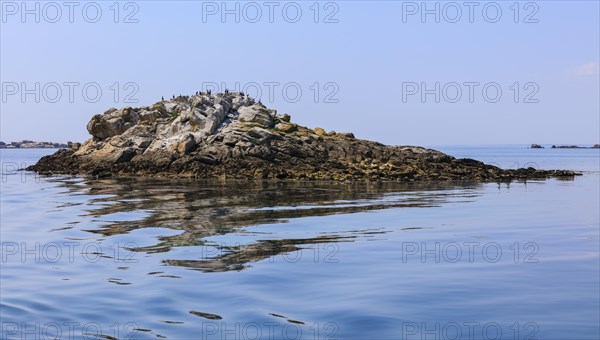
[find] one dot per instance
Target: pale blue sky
(369, 53)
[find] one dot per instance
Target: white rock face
(180, 124)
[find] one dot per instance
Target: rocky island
(232, 136)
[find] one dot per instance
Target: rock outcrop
(232, 136)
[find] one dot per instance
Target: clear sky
(362, 66)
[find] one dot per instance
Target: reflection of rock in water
(205, 315)
(236, 257)
(201, 209)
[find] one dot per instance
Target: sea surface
(136, 258)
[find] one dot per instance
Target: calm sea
(147, 259)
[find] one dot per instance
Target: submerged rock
(232, 136)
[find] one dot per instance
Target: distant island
(537, 146)
(232, 136)
(29, 144)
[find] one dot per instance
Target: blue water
(147, 259)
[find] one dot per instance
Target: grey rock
(112, 123)
(256, 114)
(187, 145)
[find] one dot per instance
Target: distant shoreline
(29, 144)
(27, 148)
(538, 146)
